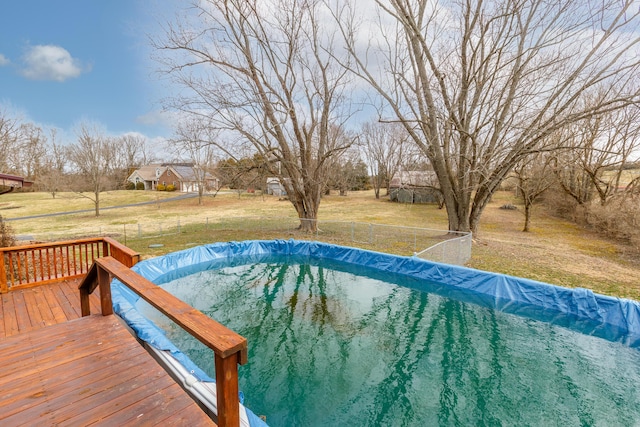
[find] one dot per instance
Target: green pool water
(333, 345)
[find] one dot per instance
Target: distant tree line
(93, 163)
(480, 93)
(478, 90)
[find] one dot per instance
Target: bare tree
(198, 142)
(481, 85)
(131, 152)
(601, 150)
(266, 74)
(534, 177)
(30, 151)
(134, 148)
(92, 156)
(23, 147)
(54, 177)
(384, 148)
(347, 172)
(244, 173)
(9, 134)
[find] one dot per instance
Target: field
(555, 251)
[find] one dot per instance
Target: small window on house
(157, 172)
(168, 173)
(164, 183)
(174, 183)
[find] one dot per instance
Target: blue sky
(65, 61)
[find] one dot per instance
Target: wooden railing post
(3, 275)
(105, 248)
(87, 286)
(97, 276)
(104, 282)
(85, 305)
(230, 349)
(228, 404)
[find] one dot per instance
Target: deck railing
(230, 349)
(42, 263)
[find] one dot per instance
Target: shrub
(171, 187)
(619, 219)
(160, 187)
(562, 205)
(139, 185)
(7, 236)
(130, 186)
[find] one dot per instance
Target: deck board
(9, 315)
(28, 309)
(67, 300)
(61, 369)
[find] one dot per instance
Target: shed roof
(414, 179)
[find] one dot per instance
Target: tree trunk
(96, 202)
(308, 219)
(307, 208)
(527, 216)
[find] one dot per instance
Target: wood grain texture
(88, 370)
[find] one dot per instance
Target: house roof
(188, 173)
(148, 172)
(14, 181)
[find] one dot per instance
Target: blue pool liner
(615, 319)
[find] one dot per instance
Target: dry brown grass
(555, 251)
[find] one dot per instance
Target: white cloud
(163, 118)
(4, 60)
(49, 62)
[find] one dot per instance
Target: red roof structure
(9, 182)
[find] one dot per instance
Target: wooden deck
(29, 309)
(58, 368)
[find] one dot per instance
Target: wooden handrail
(230, 349)
(42, 263)
(122, 253)
(53, 244)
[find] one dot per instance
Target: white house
(148, 175)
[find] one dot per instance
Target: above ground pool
(341, 336)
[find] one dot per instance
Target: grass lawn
(555, 251)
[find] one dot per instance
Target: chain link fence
(436, 245)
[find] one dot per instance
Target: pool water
(333, 344)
